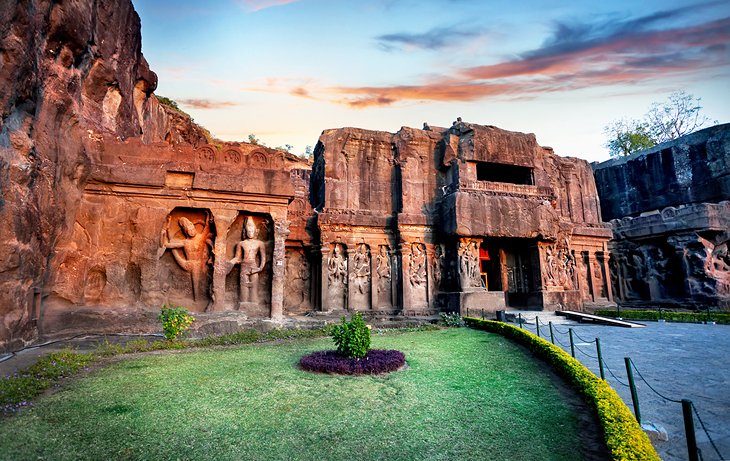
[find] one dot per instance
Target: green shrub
(352, 338)
(451, 319)
(671, 316)
(175, 321)
(623, 435)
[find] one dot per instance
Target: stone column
(325, 300)
(221, 265)
(281, 231)
(592, 277)
(607, 275)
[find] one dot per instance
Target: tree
(678, 116)
(253, 139)
(626, 136)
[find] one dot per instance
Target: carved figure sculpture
(469, 270)
(251, 254)
(361, 269)
(337, 266)
(190, 253)
(383, 268)
(418, 265)
(438, 265)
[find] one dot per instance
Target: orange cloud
(576, 56)
(206, 103)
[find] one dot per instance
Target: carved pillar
(281, 231)
(605, 255)
(325, 303)
(221, 265)
(592, 276)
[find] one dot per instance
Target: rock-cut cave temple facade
(411, 223)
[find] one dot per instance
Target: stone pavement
(679, 360)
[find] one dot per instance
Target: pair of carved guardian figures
(191, 244)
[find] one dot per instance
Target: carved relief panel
(469, 270)
(337, 276)
(185, 253)
(360, 278)
(297, 282)
(248, 262)
(384, 277)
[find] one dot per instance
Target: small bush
(352, 338)
(175, 321)
(451, 319)
(377, 361)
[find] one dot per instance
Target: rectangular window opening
(500, 172)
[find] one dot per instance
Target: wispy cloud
(257, 5)
(434, 39)
(576, 55)
(206, 103)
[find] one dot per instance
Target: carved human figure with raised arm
(191, 253)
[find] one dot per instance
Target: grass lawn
(465, 395)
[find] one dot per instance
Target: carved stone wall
(422, 193)
(672, 216)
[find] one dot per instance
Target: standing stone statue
(251, 254)
(383, 268)
(190, 253)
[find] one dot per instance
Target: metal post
(467, 312)
(600, 358)
(537, 325)
(634, 395)
(572, 344)
(519, 316)
(482, 314)
(689, 430)
(552, 336)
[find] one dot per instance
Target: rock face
(670, 213)
(114, 204)
(449, 219)
(70, 72)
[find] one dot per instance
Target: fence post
(467, 312)
(519, 316)
(572, 344)
(689, 430)
(552, 337)
(482, 314)
(634, 395)
(537, 325)
(600, 358)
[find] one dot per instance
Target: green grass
(465, 395)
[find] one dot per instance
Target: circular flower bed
(377, 361)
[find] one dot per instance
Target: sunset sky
(285, 70)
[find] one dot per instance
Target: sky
(284, 70)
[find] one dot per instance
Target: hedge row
(671, 316)
(623, 435)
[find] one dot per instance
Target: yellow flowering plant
(175, 321)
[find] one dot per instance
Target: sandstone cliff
(71, 71)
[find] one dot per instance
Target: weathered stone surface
(672, 213)
(692, 169)
(466, 210)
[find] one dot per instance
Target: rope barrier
(712, 442)
(650, 386)
(558, 330)
(557, 340)
(582, 339)
(614, 376)
(585, 353)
